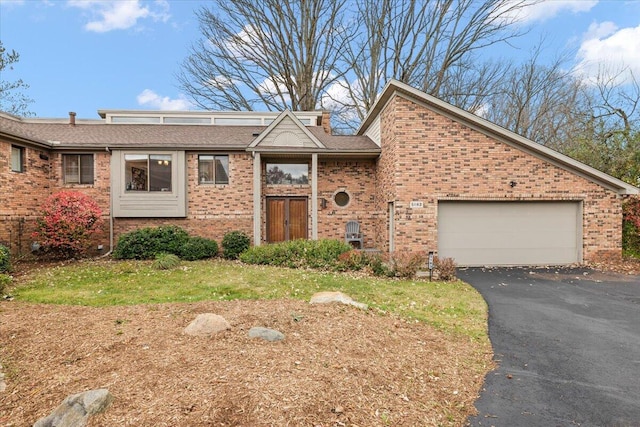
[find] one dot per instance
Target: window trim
(22, 154)
(79, 177)
(213, 181)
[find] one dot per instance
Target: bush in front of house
(5, 280)
(198, 248)
(234, 243)
(322, 254)
(165, 261)
(5, 259)
(446, 268)
(67, 222)
(406, 263)
(631, 226)
(148, 242)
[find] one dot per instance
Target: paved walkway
(567, 343)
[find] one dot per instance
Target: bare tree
(609, 136)
(266, 54)
(12, 97)
(431, 45)
(545, 103)
(308, 54)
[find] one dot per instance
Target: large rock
(265, 334)
(75, 410)
(329, 297)
(206, 325)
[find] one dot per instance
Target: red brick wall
(21, 194)
(24, 192)
(440, 159)
(357, 178)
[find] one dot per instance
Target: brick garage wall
(440, 159)
(21, 195)
(387, 177)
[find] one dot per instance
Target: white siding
(374, 131)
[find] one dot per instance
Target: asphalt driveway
(567, 344)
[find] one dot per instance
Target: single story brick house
(419, 175)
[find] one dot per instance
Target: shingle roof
(98, 134)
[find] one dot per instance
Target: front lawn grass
(452, 307)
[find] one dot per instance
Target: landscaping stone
(266, 334)
(206, 325)
(75, 410)
(329, 297)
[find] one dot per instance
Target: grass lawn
(418, 356)
(449, 306)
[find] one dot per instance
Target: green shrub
(198, 248)
(5, 259)
(234, 243)
(379, 265)
(5, 280)
(298, 253)
(165, 261)
(146, 243)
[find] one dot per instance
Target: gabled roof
(397, 88)
(295, 125)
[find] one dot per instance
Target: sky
(88, 55)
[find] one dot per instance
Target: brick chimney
(72, 118)
(326, 122)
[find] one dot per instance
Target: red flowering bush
(631, 226)
(67, 222)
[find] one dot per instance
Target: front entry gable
(285, 133)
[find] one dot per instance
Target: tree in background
(608, 138)
(257, 54)
(12, 97)
(310, 54)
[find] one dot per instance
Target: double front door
(286, 218)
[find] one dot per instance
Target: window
(287, 173)
(77, 168)
(17, 159)
(213, 169)
(148, 172)
(341, 198)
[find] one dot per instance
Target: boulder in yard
(266, 334)
(329, 297)
(75, 410)
(206, 325)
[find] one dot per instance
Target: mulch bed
(338, 366)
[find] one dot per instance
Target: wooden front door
(286, 218)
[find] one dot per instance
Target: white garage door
(510, 233)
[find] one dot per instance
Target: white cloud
(607, 47)
(149, 98)
(120, 14)
(542, 10)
